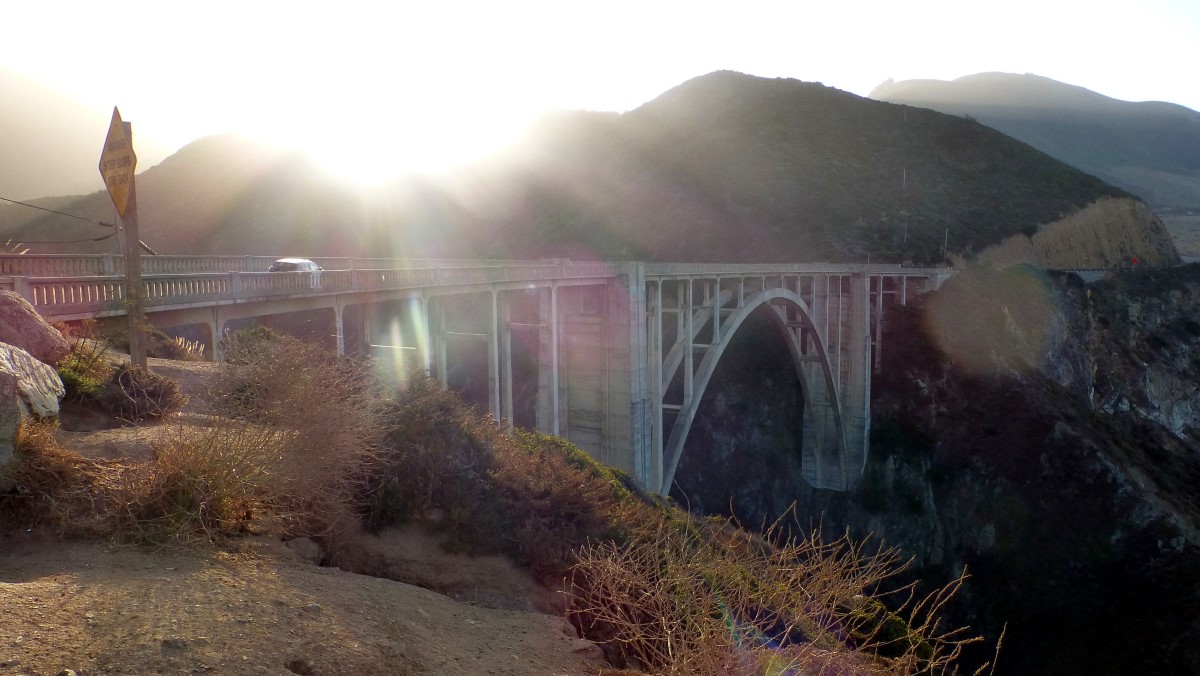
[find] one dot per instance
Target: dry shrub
(436, 454)
(133, 394)
(532, 497)
(322, 411)
(658, 589)
(47, 485)
(553, 499)
(685, 598)
(199, 483)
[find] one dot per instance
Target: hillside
(1151, 149)
(723, 167)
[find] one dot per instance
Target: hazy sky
(369, 86)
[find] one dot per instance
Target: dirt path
(254, 609)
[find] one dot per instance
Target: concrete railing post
(23, 289)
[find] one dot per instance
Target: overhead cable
(60, 213)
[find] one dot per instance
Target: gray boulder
(28, 387)
(22, 326)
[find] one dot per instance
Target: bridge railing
(751, 269)
(91, 294)
(51, 265)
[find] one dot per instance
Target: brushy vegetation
(658, 589)
(51, 486)
(122, 390)
(322, 413)
(132, 393)
(307, 443)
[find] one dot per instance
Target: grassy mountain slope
(723, 167)
(1151, 149)
(729, 166)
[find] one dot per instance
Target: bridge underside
(824, 319)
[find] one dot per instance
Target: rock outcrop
(28, 387)
(22, 326)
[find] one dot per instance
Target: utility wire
(61, 213)
(82, 218)
(68, 241)
(142, 244)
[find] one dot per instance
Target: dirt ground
(253, 606)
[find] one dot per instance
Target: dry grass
(201, 482)
(293, 455)
(1107, 233)
(306, 446)
(321, 413)
(53, 487)
(692, 597)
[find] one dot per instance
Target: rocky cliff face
(1044, 435)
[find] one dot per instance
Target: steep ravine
(1041, 433)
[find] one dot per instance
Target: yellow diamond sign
(117, 162)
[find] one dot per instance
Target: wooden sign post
(117, 164)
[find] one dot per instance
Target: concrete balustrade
(83, 295)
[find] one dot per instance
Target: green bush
(85, 368)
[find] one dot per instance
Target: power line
(60, 213)
(68, 241)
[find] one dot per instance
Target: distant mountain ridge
(1151, 149)
(724, 167)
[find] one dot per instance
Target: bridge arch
(824, 444)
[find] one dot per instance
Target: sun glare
(382, 145)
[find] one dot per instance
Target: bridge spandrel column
(493, 352)
(857, 386)
(630, 431)
(547, 395)
(339, 328)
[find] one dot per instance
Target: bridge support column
(506, 385)
(656, 388)
(548, 363)
(877, 326)
(425, 340)
(443, 372)
(339, 328)
(857, 387)
(493, 338)
(216, 324)
(631, 421)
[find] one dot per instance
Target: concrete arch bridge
(615, 357)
